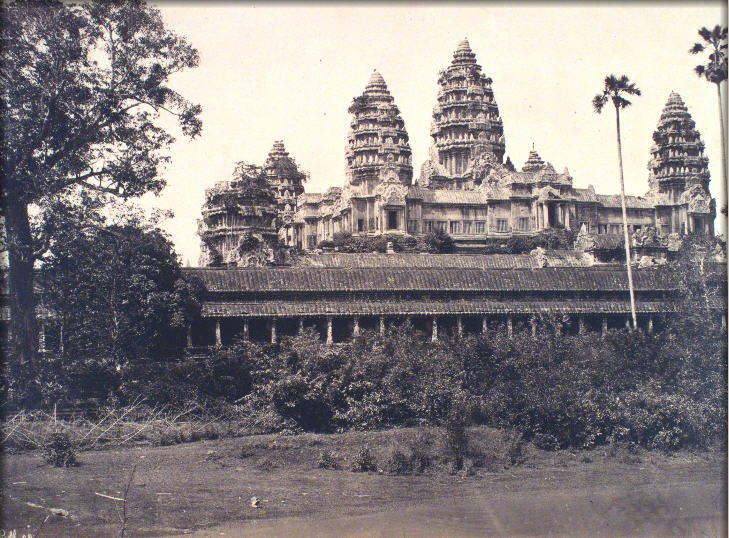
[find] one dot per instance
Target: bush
(399, 463)
(327, 460)
(59, 451)
(455, 438)
(364, 462)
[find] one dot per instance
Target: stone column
(650, 324)
(723, 322)
(459, 326)
(509, 327)
(355, 328)
(60, 339)
(484, 325)
(273, 331)
(533, 323)
(246, 330)
(567, 216)
(434, 335)
(189, 335)
(382, 325)
(330, 336)
(627, 323)
(604, 326)
(545, 213)
(581, 324)
(218, 334)
(301, 325)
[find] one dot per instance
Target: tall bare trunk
(626, 236)
(23, 327)
(723, 140)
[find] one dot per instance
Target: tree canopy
(83, 87)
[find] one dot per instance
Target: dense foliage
(436, 242)
(115, 297)
(83, 87)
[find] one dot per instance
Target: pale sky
(290, 71)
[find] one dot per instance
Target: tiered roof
(466, 120)
(284, 176)
(378, 146)
(677, 157)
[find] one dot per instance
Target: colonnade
(455, 325)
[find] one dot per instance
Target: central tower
(466, 123)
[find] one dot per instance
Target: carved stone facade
(466, 124)
(679, 173)
(287, 182)
(467, 189)
(240, 221)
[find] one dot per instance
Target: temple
(467, 189)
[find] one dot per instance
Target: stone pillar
(459, 326)
(382, 325)
(509, 327)
(723, 322)
(273, 331)
(246, 330)
(545, 213)
(484, 325)
(60, 339)
(558, 329)
(533, 324)
(604, 326)
(330, 336)
(627, 323)
(434, 335)
(218, 334)
(567, 216)
(355, 328)
(189, 335)
(650, 324)
(301, 325)
(581, 324)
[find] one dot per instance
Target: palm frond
(705, 34)
(598, 102)
(700, 70)
(698, 47)
(621, 102)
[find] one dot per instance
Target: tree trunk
(723, 139)
(626, 236)
(23, 327)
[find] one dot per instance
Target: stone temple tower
(378, 147)
(679, 173)
(285, 177)
(466, 122)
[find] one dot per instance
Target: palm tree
(615, 88)
(715, 71)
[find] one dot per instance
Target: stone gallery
(467, 188)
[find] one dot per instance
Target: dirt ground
(205, 489)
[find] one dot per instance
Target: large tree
(83, 86)
(715, 71)
(615, 89)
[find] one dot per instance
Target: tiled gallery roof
(326, 279)
(415, 307)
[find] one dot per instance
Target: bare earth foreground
(204, 489)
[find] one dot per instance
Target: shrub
(399, 463)
(364, 462)
(58, 450)
(327, 460)
(455, 438)
(420, 451)
(546, 441)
